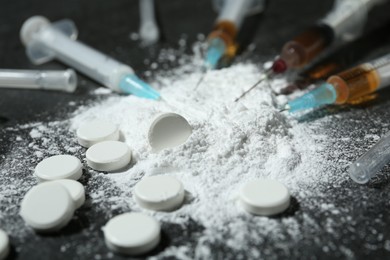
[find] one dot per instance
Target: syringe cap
(131, 84)
(59, 80)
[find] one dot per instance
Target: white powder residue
(231, 143)
(102, 91)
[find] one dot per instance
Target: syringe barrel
(257, 6)
(348, 17)
(87, 60)
(371, 162)
(361, 80)
(235, 11)
(61, 80)
(382, 68)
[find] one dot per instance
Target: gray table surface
(106, 25)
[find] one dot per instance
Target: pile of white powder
(231, 143)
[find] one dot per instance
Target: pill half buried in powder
(76, 191)
(97, 131)
(59, 167)
(108, 156)
(132, 233)
(4, 245)
(160, 192)
(168, 130)
(47, 207)
(264, 197)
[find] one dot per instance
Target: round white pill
(47, 207)
(108, 156)
(160, 192)
(4, 244)
(97, 131)
(168, 130)
(76, 191)
(132, 233)
(264, 197)
(59, 167)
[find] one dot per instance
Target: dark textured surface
(106, 25)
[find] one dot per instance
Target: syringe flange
(36, 51)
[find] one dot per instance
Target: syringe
(45, 41)
(368, 165)
(344, 22)
(346, 86)
(340, 58)
(61, 80)
(221, 42)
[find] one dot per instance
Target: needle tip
(285, 108)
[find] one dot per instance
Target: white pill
(47, 207)
(108, 156)
(59, 167)
(264, 197)
(132, 233)
(97, 131)
(160, 192)
(168, 130)
(76, 191)
(4, 245)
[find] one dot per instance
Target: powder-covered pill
(76, 191)
(97, 131)
(108, 156)
(47, 207)
(168, 130)
(264, 197)
(160, 192)
(59, 167)
(132, 233)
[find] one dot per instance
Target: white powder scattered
(35, 133)
(102, 91)
(231, 144)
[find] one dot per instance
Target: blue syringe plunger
(323, 95)
(131, 84)
(216, 49)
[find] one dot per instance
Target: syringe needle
(248, 90)
(265, 76)
(204, 71)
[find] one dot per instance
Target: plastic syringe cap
(358, 173)
(31, 26)
(131, 84)
(59, 80)
(71, 81)
(323, 95)
(214, 53)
